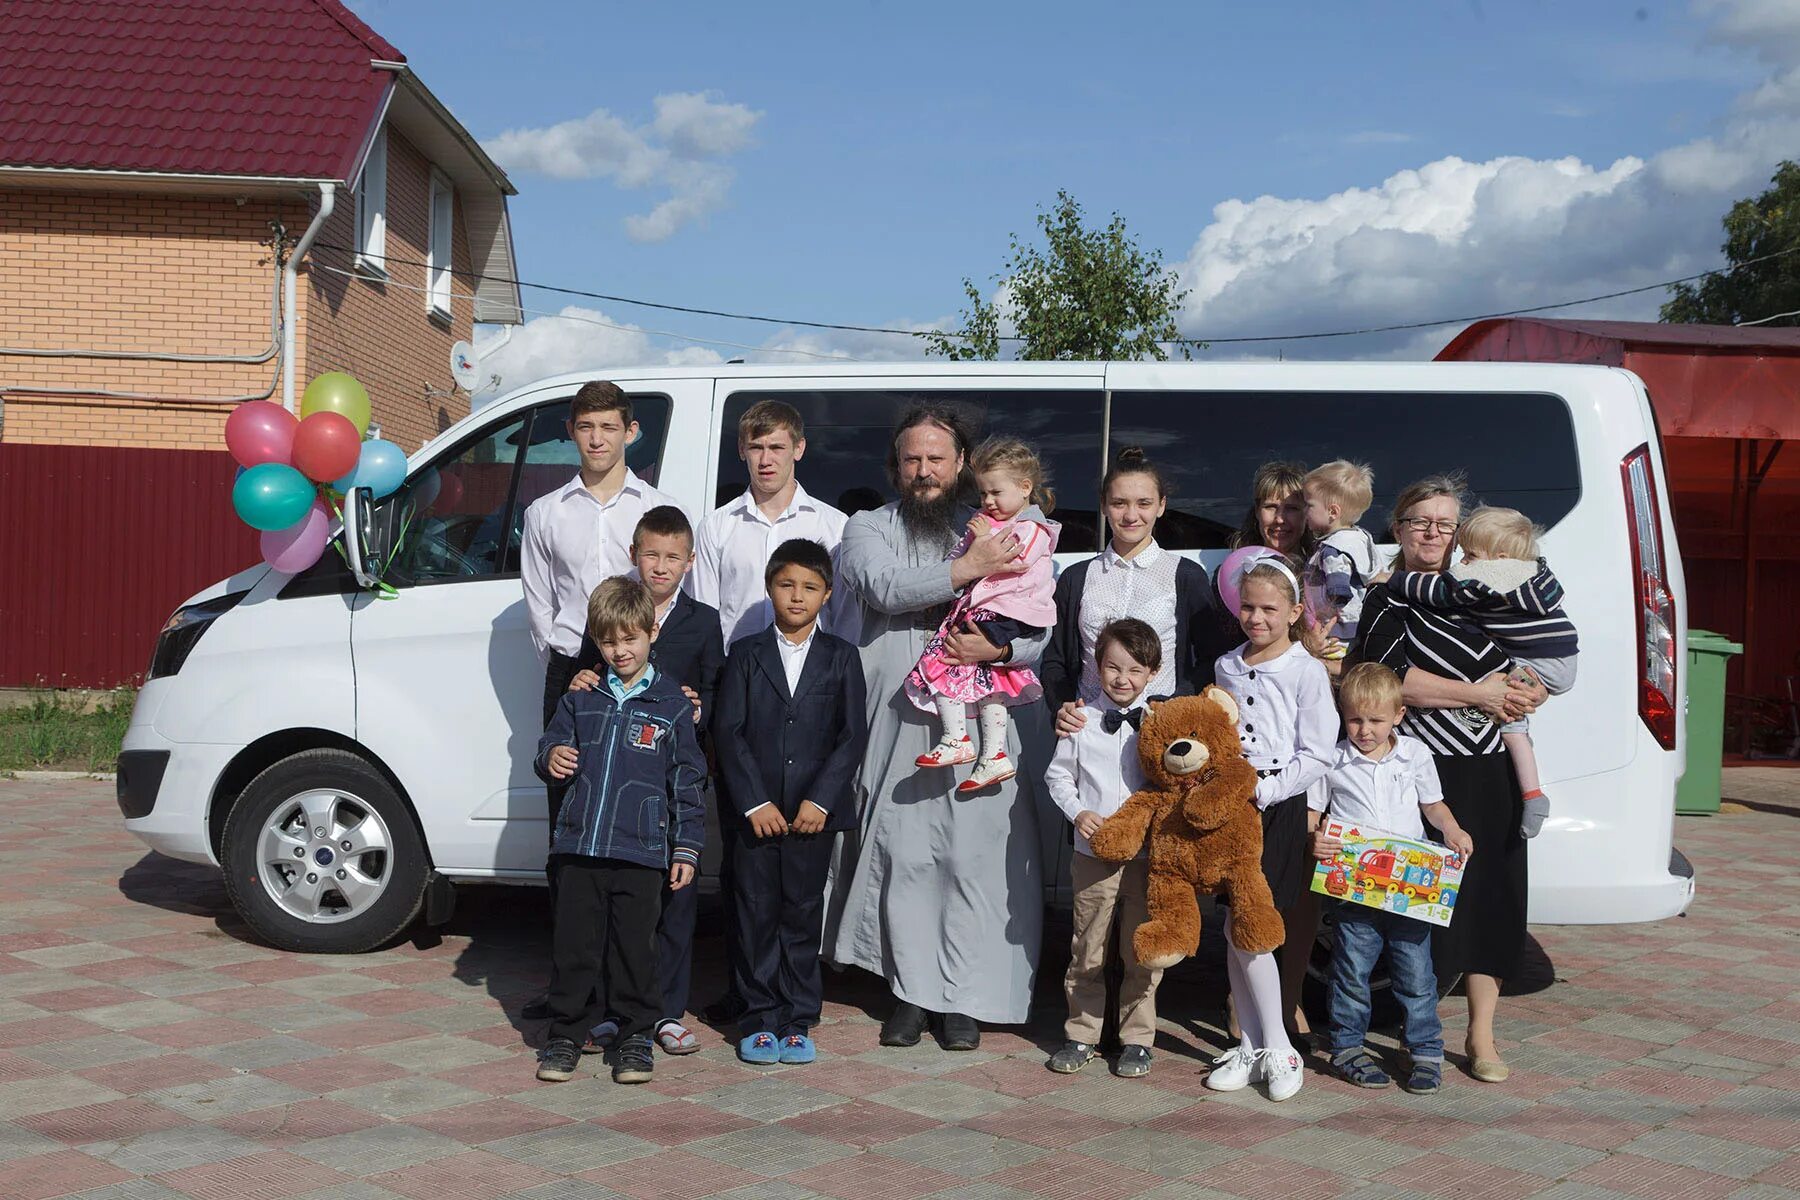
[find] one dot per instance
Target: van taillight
(1651, 600)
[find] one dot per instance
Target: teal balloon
(380, 467)
(272, 496)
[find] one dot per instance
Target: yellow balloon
(337, 392)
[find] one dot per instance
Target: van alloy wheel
(324, 856)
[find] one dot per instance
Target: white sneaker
(1282, 1071)
(1231, 1070)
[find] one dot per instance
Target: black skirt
(1285, 862)
(1486, 934)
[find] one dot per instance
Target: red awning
(1705, 380)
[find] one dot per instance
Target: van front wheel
(321, 856)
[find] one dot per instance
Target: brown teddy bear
(1199, 815)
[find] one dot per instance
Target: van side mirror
(362, 550)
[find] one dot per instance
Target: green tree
(1754, 229)
(1087, 294)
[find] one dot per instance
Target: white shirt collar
(781, 639)
(632, 484)
(1404, 751)
(745, 505)
(1143, 558)
(1233, 661)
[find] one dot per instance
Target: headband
(1274, 563)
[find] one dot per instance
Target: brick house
(205, 203)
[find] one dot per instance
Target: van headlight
(181, 632)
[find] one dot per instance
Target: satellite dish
(463, 366)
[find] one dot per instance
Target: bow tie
(1113, 718)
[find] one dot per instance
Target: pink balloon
(261, 431)
(299, 546)
(1235, 564)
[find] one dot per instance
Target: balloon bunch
(290, 467)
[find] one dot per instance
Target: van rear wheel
(321, 856)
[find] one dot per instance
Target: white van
(338, 754)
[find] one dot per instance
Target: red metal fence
(97, 547)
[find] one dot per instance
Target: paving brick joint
(151, 1050)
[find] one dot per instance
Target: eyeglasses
(1426, 525)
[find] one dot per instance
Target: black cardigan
(1202, 634)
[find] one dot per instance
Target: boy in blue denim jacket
(633, 815)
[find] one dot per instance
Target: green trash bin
(1698, 791)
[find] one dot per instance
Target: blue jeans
(1361, 934)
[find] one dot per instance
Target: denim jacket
(636, 793)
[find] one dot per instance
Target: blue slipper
(798, 1048)
(760, 1048)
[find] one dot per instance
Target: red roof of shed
(271, 88)
(1704, 380)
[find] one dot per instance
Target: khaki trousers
(1104, 890)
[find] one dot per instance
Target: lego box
(1402, 875)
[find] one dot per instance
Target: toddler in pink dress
(1018, 602)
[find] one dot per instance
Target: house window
(437, 263)
(371, 209)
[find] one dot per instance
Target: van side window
(452, 515)
(848, 434)
(1517, 450)
(551, 458)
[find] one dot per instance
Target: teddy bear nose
(1181, 749)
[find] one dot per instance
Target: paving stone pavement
(150, 1051)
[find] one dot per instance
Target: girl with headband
(1289, 726)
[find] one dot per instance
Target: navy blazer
(690, 651)
(780, 749)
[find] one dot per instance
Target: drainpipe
(327, 202)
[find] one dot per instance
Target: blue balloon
(273, 496)
(380, 467)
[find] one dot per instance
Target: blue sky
(853, 161)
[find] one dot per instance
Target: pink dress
(1027, 595)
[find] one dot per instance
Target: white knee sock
(1256, 991)
(955, 716)
(992, 715)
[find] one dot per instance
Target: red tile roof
(279, 88)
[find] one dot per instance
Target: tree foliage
(1086, 294)
(1754, 228)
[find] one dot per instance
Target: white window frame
(438, 259)
(371, 209)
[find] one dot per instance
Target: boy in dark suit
(789, 733)
(688, 650)
(632, 824)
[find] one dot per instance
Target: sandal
(676, 1038)
(1359, 1067)
(1424, 1078)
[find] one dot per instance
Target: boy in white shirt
(1382, 780)
(1093, 772)
(734, 541)
(1337, 495)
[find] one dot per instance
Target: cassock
(940, 895)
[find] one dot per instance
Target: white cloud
(1454, 238)
(578, 339)
(677, 151)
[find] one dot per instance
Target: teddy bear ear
(1222, 698)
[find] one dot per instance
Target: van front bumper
(167, 809)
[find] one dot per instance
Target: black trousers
(675, 947)
(780, 917)
(603, 948)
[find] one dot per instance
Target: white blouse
(1286, 719)
(1141, 587)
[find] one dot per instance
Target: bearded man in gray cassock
(939, 894)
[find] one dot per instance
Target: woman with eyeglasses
(1456, 705)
